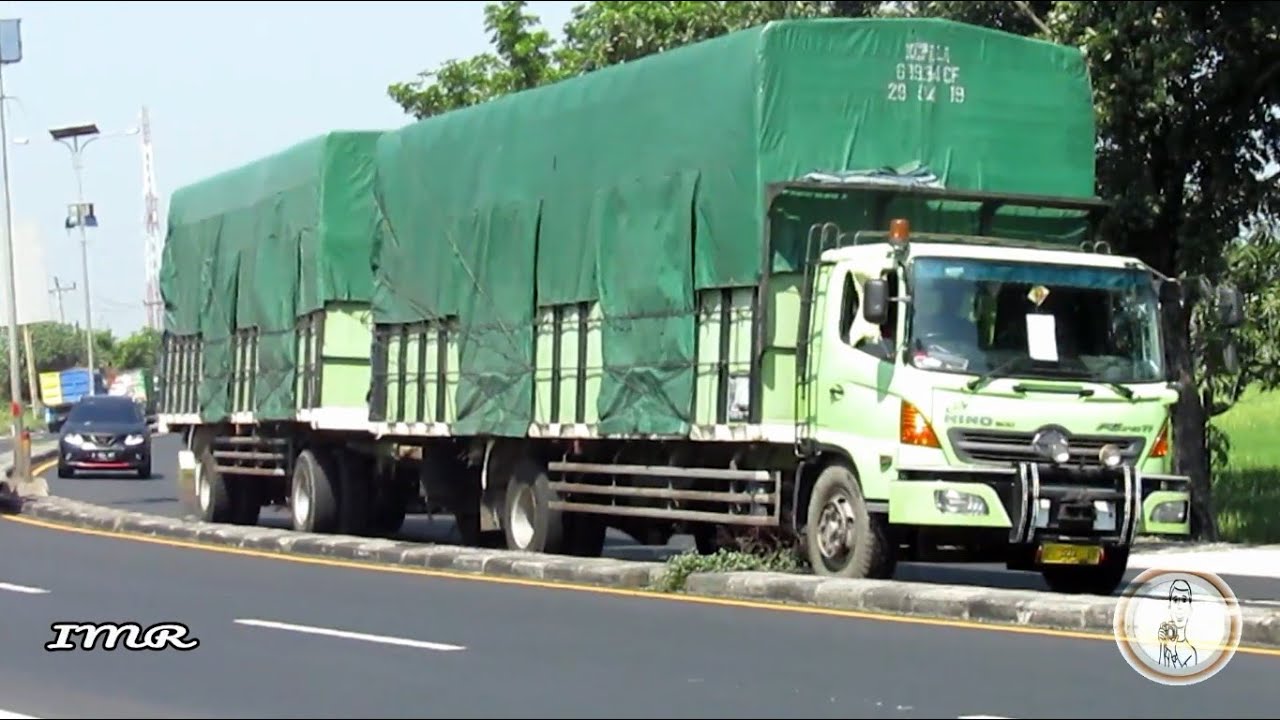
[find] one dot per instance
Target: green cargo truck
(834, 279)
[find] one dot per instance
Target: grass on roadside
(1246, 493)
(746, 553)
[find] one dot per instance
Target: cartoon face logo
(1178, 628)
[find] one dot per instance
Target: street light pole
(74, 138)
(77, 163)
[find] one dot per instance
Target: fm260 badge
(117, 636)
(1178, 627)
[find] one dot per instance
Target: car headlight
(134, 440)
(74, 439)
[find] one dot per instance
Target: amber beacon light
(899, 230)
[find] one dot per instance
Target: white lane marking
(27, 589)
(7, 715)
(384, 639)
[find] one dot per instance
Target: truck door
(855, 368)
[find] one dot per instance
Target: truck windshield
(1033, 320)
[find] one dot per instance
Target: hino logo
(983, 421)
(972, 420)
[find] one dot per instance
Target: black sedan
(105, 432)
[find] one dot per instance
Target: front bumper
(113, 457)
(1036, 502)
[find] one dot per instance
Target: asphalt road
(275, 640)
(160, 496)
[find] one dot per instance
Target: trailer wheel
(313, 502)
(1095, 580)
(842, 538)
(528, 521)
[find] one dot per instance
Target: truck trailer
(833, 281)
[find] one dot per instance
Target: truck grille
(1005, 447)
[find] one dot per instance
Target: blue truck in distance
(60, 390)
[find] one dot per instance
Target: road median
(991, 606)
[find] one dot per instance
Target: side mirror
(1170, 292)
(875, 301)
(1230, 307)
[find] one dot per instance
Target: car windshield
(118, 412)
(1019, 319)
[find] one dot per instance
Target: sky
(224, 83)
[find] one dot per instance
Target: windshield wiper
(1002, 369)
(1121, 390)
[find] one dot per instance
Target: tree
(139, 350)
(1185, 92)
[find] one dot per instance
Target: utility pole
(57, 291)
(23, 483)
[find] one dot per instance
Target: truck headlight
(955, 502)
(1173, 512)
(1109, 455)
(1052, 443)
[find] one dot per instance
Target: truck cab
(995, 395)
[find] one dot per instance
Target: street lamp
(76, 138)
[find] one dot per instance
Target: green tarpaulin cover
(640, 184)
(261, 244)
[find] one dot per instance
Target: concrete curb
(595, 571)
(1025, 608)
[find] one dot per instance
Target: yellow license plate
(1060, 554)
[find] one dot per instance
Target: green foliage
(57, 346)
(1186, 96)
(598, 35)
(1246, 488)
(680, 567)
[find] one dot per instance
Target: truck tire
(1102, 579)
(222, 499)
(843, 539)
(313, 502)
(529, 524)
(213, 496)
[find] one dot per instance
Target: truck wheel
(213, 498)
(842, 538)
(527, 520)
(1101, 579)
(313, 502)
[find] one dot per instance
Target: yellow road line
(579, 587)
